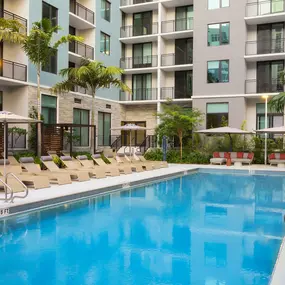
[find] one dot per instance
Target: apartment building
(220, 56)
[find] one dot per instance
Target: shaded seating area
(236, 158)
(277, 159)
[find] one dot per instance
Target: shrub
(154, 154)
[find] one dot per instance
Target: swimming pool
(202, 229)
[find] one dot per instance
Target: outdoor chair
(112, 170)
(121, 158)
(156, 164)
(145, 165)
(29, 165)
(276, 158)
(241, 157)
(74, 175)
(219, 158)
(73, 165)
(123, 168)
(36, 182)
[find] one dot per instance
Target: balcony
(10, 16)
(81, 17)
(173, 62)
(173, 93)
(81, 90)
(254, 86)
(136, 6)
(138, 63)
(78, 50)
(141, 94)
(16, 73)
(262, 12)
(139, 34)
(175, 29)
(265, 50)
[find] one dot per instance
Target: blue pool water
(203, 229)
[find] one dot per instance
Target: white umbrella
(277, 130)
(130, 127)
(225, 131)
(8, 117)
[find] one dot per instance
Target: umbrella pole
(5, 155)
(231, 143)
(131, 144)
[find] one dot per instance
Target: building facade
(220, 56)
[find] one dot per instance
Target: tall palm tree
(39, 46)
(277, 102)
(91, 75)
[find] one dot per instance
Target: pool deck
(81, 190)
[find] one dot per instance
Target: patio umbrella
(225, 131)
(130, 128)
(8, 117)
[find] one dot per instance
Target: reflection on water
(199, 230)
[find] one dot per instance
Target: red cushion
(227, 155)
(240, 155)
(250, 156)
(216, 155)
(271, 156)
(282, 156)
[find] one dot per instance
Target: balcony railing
(81, 90)
(82, 12)
(138, 62)
(177, 25)
(265, 8)
(13, 70)
(10, 16)
(254, 86)
(134, 2)
(134, 31)
(264, 46)
(172, 59)
(81, 49)
(172, 93)
(140, 94)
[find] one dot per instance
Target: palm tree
(91, 75)
(38, 46)
(277, 102)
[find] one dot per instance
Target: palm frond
(277, 103)
(67, 39)
(12, 31)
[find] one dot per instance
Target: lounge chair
(276, 159)
(121, 158)
(12, 160)
(242, 157)
(145, 165)
(156, 164)
(74, 175)
(123, 168)
(60, 178)
(36, 182)
(219, 158)
(73, 165)
(112, 170)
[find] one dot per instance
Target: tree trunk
(93, 123)
(39, 142)
(181, 143)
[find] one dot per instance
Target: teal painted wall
(112, 29)
(49, 79)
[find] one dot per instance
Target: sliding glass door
(183, 84)
(142, 55)
(142, 87)
(184, 18)
(183, 51)
(142, 24)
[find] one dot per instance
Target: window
(216, 4)
(81, 117)
(142, 55)
(142, 87)
(49, 106)
(217, 115)
(273, 119)
(183, 84)
(142, 23)
(50, 12)
(218, 34)
(105, 44)
(106, 10)
(218, 71)
(51, 65)
(184, 18)
(104, 126)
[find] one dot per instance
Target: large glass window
(184, 18)
(218, 34)
(218, 71)
(142, 54)
(50, 12)
(217, 115)
(104, 129)
(183, 51)
(49, 107)
(105, 43)
(51, 65)
(142, 23)
(142, 87)
(106, 10)
(216, 4)
(183, 84)
(81, 117)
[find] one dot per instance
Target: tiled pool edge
(38, 205)
(278, 274)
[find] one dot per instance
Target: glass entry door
(138, 137)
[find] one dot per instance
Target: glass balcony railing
(11, 16)
(134, 2)
(173, 59)
(13, 70)
(134, 31)
(174, 93)
(138, 62)
(264, 7)
(177, 25)
(253, 86)
(265, 46)
(81, 49)
(140, 94)
(82, 12)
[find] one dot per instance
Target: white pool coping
(55, 191)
